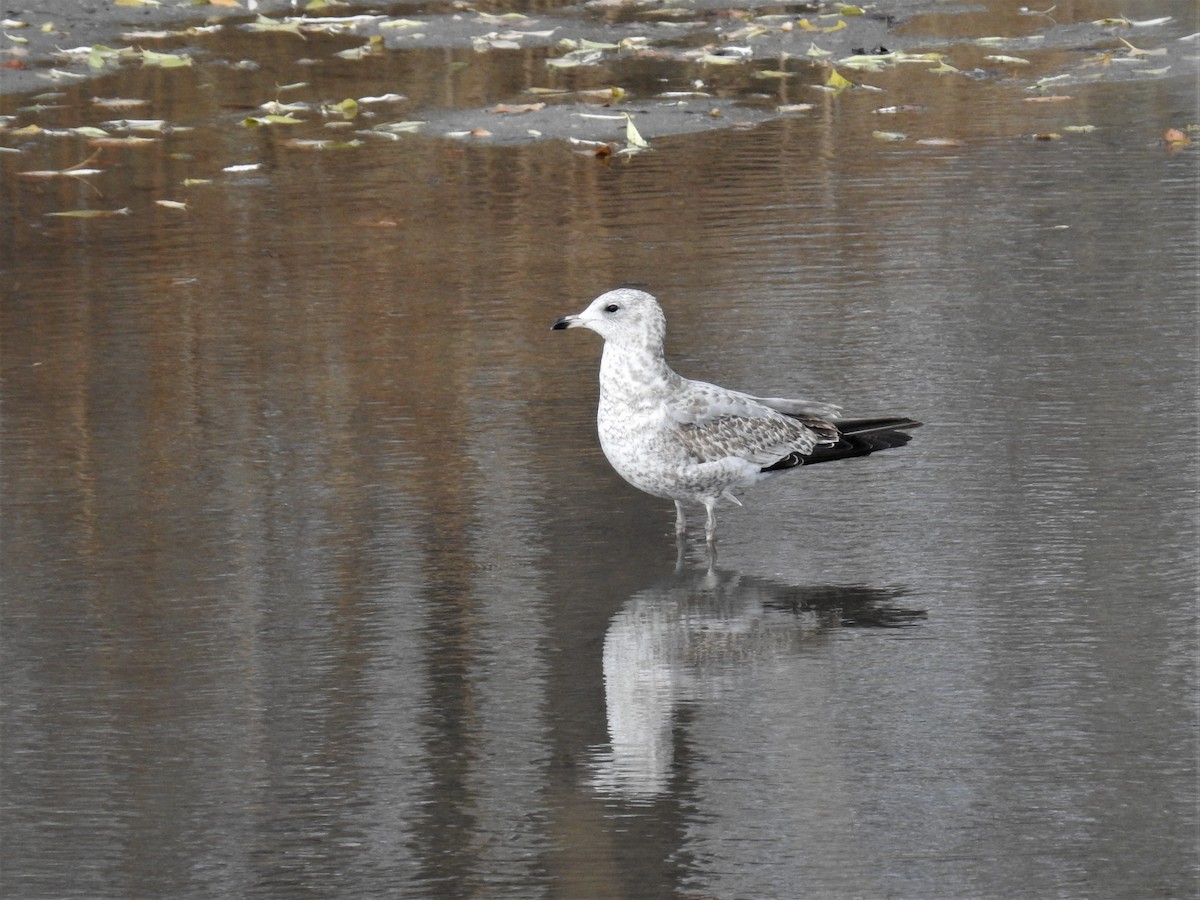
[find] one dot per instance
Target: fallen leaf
(1173, 137)
(633, 137)
(165, 60)
(513, 108)
(129, 141)
(171, 204)
(91, 213)
(939, 142)
(809, 26)
(889, 135)
(1008, 60)
(257, 121)
(1047, 136)
(836, 81)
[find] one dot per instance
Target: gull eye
(611, 308)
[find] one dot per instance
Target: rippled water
(317, 584)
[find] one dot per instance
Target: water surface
(317, 584)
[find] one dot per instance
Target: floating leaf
(1079, 129)
(262, 23)
(1175, 138)
(633, 137)
(193, 182)
(243, 167)
(793, 108)
(835, 80)
(308, 144)
(889, 135)
(507, 108)
(809, 26)
(816, 52)
(165, 60)
(257, 121)
(171, 204)
(136, 3)
(1137, 51)
(939, 142)
(772, 73)
(348, 108)
(400, 127)
(119, 102)
(91, 213)
(1008, 60)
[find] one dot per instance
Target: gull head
(624, 316)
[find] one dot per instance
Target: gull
(694, 442)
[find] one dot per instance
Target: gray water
(316, 583)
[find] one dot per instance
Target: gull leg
(680, 519)
(710, 526)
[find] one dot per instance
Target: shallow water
(317, 584)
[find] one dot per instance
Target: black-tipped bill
(565, 322)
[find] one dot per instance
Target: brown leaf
(1176, 138)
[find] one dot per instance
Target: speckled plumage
(689, 441)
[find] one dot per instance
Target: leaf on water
(194, 182)
(816, 52)
(165, 60)
(1175, 138)
(773, 73)
(263, 23)
(1047, 136)
(383, 98)
(137, 3)
(847, 10)
(836, 81)
(258, 121)
(509, 108)
(793, 108)
(943, 69)
(347, 109)
(1008, 60)
(128, 141)
(1079, 129)
(1137, 51)
(308, 144)
(809, 26)
(400, 127)
(889, 135)
(59, 173)
(119, 102)
(903, 108)
(633, 137)
(372, 47)
(714, 59)
(1050, 98)
(401, 23)
(171, 204)
(865, 63)
(243, 167)
(939, 142)
(91, 213)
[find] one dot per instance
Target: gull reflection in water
(678, 641)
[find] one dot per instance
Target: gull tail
(855, 437)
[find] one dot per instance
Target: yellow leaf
(136, 3)
(836, 81)
(165, 60)
(809, 26)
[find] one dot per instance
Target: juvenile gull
(689, 441)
